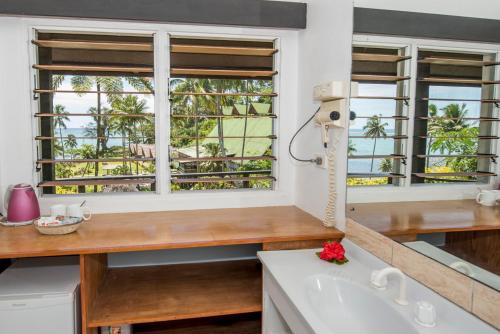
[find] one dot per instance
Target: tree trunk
(98, 132)
(373, 154)
(62, 143)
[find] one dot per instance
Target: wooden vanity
(136, 295)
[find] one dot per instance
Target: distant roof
(235, 127)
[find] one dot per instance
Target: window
(454, 117)
(446, 133)
(377, 138)
(221, 114)
(96, 124)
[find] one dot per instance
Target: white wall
(16, 134)
(489, 9)
(325, 55)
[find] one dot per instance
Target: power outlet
(320, 160)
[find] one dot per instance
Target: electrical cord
(331, 205)
(295, 135)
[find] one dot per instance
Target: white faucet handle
(378, 282)
(425, 314)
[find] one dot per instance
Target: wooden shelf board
(223, 94)
(453, 61)
(145, 115)
(397, 98)
(378, 57)
(221, 179)
(380, 137)
(173, 292)
(458, 174)
(222, 50)
(88, 68)
(459, 81)
(221, 72)
(389, 156)
(70, 91)
(241, 324)
(142, 231)
(383, 78)
(462, 100)
(479, 156)
(375, 175)
(398, 118)
(410, 218)
(94, 45)
(262, 157)
(110, 181)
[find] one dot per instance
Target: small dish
(54, 226)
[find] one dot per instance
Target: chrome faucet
(379, 281)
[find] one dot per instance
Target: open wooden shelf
(222, 50)
(221, 72)
(448, 137)
(162, 293)
(249, 323)
(482, 119)
(94, 45)
(54, 91)
(383, 58)
(373, 77)
(456, 62)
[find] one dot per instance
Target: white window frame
(163, 199)
(424, 192)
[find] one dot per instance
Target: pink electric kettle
(21, 205)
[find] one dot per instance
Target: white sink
(305, 295)
(353, 308)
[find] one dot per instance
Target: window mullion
(162, 110)
(411, 113)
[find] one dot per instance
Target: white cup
(488, 197)
(75, 210)
(58, 210)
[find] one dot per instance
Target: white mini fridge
(40, 296)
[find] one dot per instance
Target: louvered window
(222, 116)
(456, 115)
(96, 129)
(378, 136)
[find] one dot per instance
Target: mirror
(426, 128)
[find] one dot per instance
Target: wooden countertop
(407, 218)
(124, 232)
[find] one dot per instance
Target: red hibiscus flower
(333, 252)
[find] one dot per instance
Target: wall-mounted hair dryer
(332, 112)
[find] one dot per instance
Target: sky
(81, 104)
(367, 107)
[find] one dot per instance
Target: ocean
(364, 146)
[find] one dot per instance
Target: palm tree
(105, 85)
(386, 165)
(351, 148)
(374, 129)
(60, 122)
(454, 115)
(71, 143)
